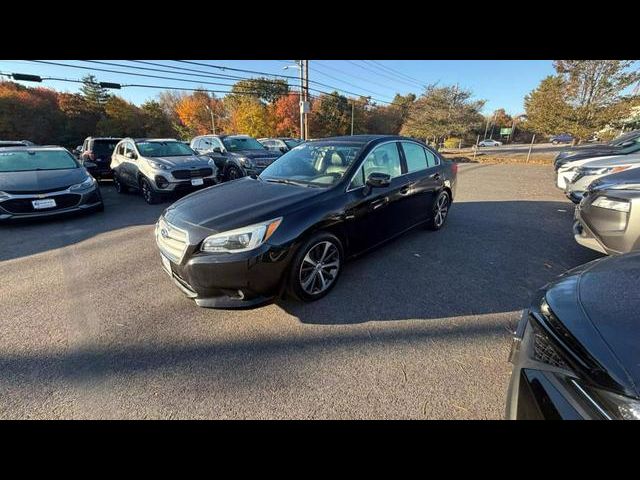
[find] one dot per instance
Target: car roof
(361, 139)
(28, 148)
(152, 139)
(105, 138)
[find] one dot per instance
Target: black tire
(148, 193)
(119, 186)
(440, 211)
(234, 172)
(301, 269)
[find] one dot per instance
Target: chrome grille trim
(173, 243)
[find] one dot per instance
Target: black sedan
(43, 181)
(244, 242)
(575, 351)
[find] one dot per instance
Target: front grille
(544, 350)
(24, 205)
(195, 173)
(172, 241)
(32, 192)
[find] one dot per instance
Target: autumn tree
(330, 115)
(29, 113)
(194, 112)
(286, 111)
(80, 119)
(583, 97)
(442, 112)
(249, 116)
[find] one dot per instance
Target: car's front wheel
(119, 186)
(440, 211)
(316, 267)
(234, 172)
(148, 193)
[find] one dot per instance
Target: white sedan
(489, 143)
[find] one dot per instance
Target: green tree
(80, 119)
(330, 115)
(121, 119)
(156, 122)
(95, 95)
(267, 90)
(583, 97)
(442, 112)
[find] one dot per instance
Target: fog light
(161, 182)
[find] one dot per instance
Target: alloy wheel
(441, 209)
(319, 267)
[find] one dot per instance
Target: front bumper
(540, 391)
(165, 185)
(67, 202)
(227, 280)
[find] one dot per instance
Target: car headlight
(158, 165)
(617, 406)
(246, 162)
(241, 239)
(602, 170)
(211, 163)
(89, 182)
(612, 204)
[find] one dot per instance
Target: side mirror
(283, 149)
(378, 180)
(216, 150)
(628, 144)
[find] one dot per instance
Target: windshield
(632, 148)
(24, 161)
(320, 164)
(625, 137)
(291, 143)
(104, 147)
(164, 149)
(234, 144)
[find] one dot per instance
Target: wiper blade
(286, 181)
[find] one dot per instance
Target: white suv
(160, 166)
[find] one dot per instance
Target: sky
(501, 83)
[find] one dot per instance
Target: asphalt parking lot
(92, 327)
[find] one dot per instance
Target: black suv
(95, 155)
(235, 155)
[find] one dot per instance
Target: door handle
(405, 190)
(379, 203)
(435, 176)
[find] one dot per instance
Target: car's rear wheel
(119, 186)
(440, 211)
(316, 267)
(234, 172)
(149, 195)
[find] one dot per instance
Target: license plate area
(197, 182)
(43, 204)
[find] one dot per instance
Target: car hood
(614, 160)
(182, 161)
(255, 154)
(626, 179)
(238, 203)
(587, 151)
(41, 180)
(599, 303)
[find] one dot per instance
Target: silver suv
(160, 166)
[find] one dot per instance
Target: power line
(381, 74)
(349, 74)
(387, 68)
(348, 83)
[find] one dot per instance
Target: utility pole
(352, 104)
(306, 99)
(213, 123)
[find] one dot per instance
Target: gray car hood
(41, 180)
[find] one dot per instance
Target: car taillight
(454, 168)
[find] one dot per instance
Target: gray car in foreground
(608, 217)
(44, 181)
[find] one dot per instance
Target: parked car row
(575, 349)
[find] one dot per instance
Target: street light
(298, 65)
(213, 123)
